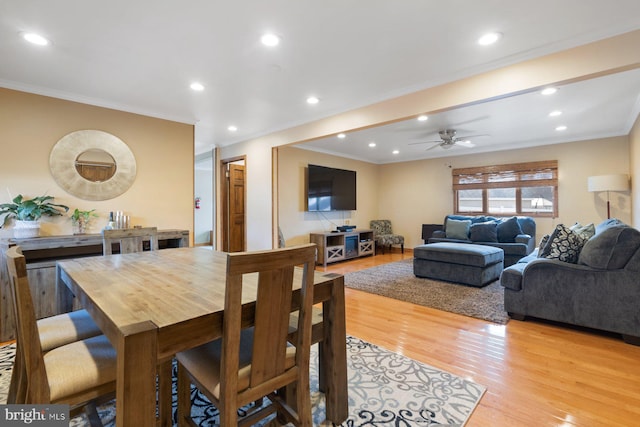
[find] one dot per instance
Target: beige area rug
(385, 389)
(396, 280)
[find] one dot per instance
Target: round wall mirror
(96, 165)
(92, 165)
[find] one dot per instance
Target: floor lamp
(616, 182)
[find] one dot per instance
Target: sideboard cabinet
(339, 246)
(41, 254)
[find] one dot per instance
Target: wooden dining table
(154, 304)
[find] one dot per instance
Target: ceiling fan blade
(473, 136)
(425, 142)
(433, 146)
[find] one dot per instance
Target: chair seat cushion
(80, 366)
(390, 239)
(203, 362)
(62, 329)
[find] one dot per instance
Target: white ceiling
(141, 56)
(597, 108)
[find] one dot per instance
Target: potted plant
(27, 213)
(81, 219)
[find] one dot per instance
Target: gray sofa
(601, 290)
(516, 236)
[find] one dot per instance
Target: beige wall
(161, 195)
(413, 193)
(295, 222)
(595, 59)
(419, 192)
(634, 166)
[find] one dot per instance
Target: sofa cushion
(473, 219)
(457, 229)
(484, 232)
(611, 248)
(543, 243)
(508, 229)
(564, 245)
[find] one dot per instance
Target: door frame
(222, 198)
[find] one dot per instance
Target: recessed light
(489, 38)
(561, 128)
(313, 100)
(341, 136)
(423, 118)
(372, 144)
(197, 86)
(35, 39)
(555, 113)
(549, 91)
(395, 152)
(232, 128)
(270, 40)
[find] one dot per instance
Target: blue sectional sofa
(591, 282)
(515, 235)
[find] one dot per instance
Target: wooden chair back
(275, 270)
(130, 240)
(27, 337)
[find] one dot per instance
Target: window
(517, 189)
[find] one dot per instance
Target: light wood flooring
(536, 373)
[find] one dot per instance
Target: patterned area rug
(396, 280)
(385, 389)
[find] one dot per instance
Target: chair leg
(402, 247)
(184, 397)
(18, 385)
(304, 403)
(92, 415)
(164, 393)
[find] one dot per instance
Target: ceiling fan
(448, 139)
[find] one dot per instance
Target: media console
(339, 246)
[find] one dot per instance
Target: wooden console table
(339, 246)
(41, 254)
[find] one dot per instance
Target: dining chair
(54, 331)
(245, 365)
(130, 239)
(78, 374)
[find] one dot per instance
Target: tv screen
(330, 189)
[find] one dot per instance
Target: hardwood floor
(536, 373)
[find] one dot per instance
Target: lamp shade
(616, 182)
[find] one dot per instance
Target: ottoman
(469, 264)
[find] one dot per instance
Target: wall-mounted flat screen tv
(330, 189)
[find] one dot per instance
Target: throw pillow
(564, 245)
(484, 232)
(543, 243)
(508, 229)
(586, 231)
(457, 229)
